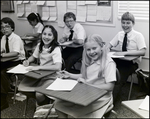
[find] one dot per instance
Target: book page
(62, 85)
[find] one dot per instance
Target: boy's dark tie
(71, 35)
(124, 45)
(7, 45)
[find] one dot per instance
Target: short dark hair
(128, 16)
(9, 21)
(69, 15)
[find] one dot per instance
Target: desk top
(81, 94)
(129, 58)
(5, 59)
(134, 106)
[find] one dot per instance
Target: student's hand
(26, 63)
(62, 40)
(2, 51)
(81, 80)
(33, 68)
(63, 74)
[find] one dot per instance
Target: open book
(62, 85)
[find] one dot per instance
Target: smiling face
(6, 29)
(47, 36)
(93, 50)
(126, 25)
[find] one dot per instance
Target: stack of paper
(145, 104)
(62, 85)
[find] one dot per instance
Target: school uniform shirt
(15, 44)
(135, 41)
(38, 28)
(47, 58)
(79, 32)
(98, 107)
(109, 72)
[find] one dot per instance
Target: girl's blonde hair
(86, 61)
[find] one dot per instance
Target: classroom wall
(106, 32)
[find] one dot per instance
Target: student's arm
(78, 41)
(28, 61)
(66, 74)
(55, 67)
(132, 53)
(10, 54)
(62, 40)
(106, 86)
(80, 35)
(36, 35)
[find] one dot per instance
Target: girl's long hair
(54, 43)
(86, 61)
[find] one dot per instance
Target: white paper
(62, 85)
(52, 19)
(61, 10)
(91, 2)
(111, 54)
(20, 10)
(19, 69)
(72, 5)
(50, 3)
(19, 2)
(26, 1)
(91, 18)
(80, 2)
(104, 13)
(145, 104)
(40, 2)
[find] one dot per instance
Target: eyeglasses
(69, 21)
(5, 27)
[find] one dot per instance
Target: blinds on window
(140, 9)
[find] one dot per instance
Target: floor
(16, 110)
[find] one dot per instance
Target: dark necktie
(71, 35)
(7, 45)
(124, 45)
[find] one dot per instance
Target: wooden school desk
(5, 59)
(81, 94)
(134, 106)
(129, 58)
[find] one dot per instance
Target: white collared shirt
(135, 41)
(15, 44)
(79, 32)
(38, 28)
(109, 72)
(47, 58)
